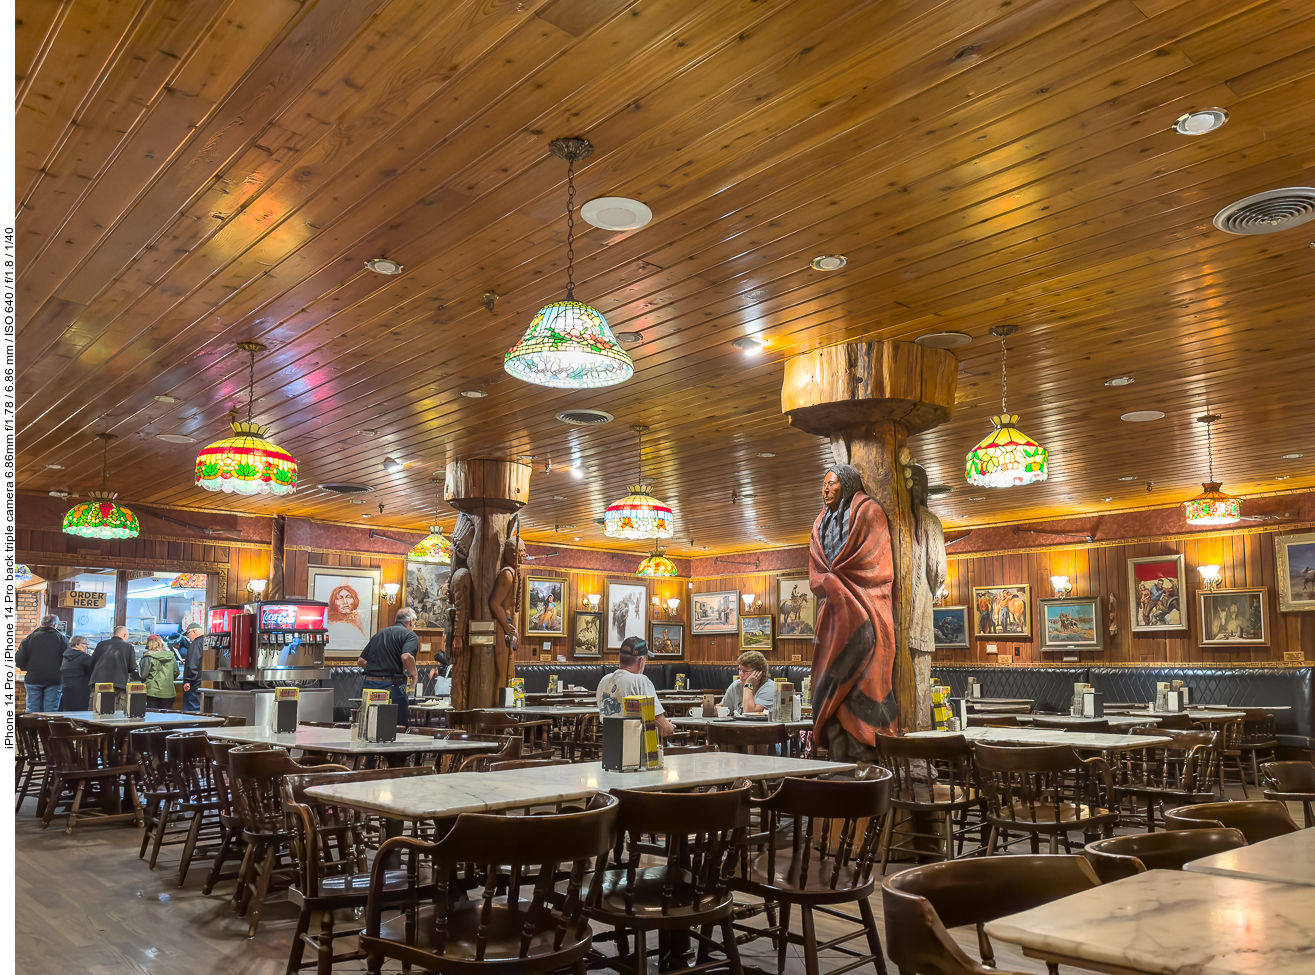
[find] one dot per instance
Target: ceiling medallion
(657, 566)
(1006, 457)
(569, 344)
(1212, 506)
(247, 462)
(101, 517)
(638, 514)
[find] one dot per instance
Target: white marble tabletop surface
(1168, 922)
(339, 740)
(698, 721)
(1196, 714)
(549, 710)
(461, 792)
(1288, 859)
(1253, 707)
(162, 718)
(1052, 736)
(1115, 720)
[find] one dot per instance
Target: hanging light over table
(657, 566)
(435, 548)
(247, 462)
(187, 580)
(101, 517)
(638, 514)
(1007, 457)
(569, 344)
(1212, 506)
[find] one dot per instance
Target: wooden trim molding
(217, 569)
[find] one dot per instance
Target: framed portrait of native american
(1157, 587)
(588, 637)
(796, 609)
(715, 612)
(1003, 611)
(1071, 624)
(353, 596)
(545, 606)
(666, 639)
(1295, 555)
(1234, 617)
(949, 625)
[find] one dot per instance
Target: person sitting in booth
(752, 692)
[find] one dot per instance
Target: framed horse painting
(1003, 611)
(796, 609)
(1071, 624)
(1295, 555)
(1157, 586)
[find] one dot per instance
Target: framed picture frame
(425, 591)
(352, 595)
(1074, 623)
(1233, 617)
(1003, 611)
(715, 612)
(666, 639)
(587, 635)
(627, 612)
(755, 632)
(545, 605)
(949, 626)
(1157, 586)
(796, 609)
(1295, 556)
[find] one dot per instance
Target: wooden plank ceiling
(197, 172)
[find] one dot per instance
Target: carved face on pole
(832, 491)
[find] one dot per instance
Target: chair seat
(644, 904)
(1048, 815)
(349, 886)
(786, 882)
(940, 798)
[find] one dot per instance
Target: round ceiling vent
(344, 487)
(616, 213)
(1268, 212)
(944, 340)
(585, 418)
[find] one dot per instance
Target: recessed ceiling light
(525, 457)
(1142, 416)
(382, 265)
(629, 338)
(559, 497)
(1200, 122)
(750, 344)
(358, 501)
(391, 465)
(367, 515)
(1282, 477)
(1107, 499)
(576, 539)
(368, 433)
(568, 528)
(55, 467)
(1292, 456)
(473, 393)
(163, 398)
(1119, 381)
(1129, 477)
(616, 213)
(174, 438)
(58, 494)
(944, 340)
(828, 262)
(979, 498)
(766, 453)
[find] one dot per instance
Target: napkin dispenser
(136, 701)
(102, 702)
(1093, 704)
(285, 710)
(959, 712)
(974, 688)
(623, 744)
(1173, 701)
(381, 722)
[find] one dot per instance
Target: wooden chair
(512, 765)
(933, 777)
(1175, 722)
(1255, 738)
(989, 720)
(692, 842)
(1258, 819)
(748, 738)
(158, 792)
(229, 821)
(1124, 856)
(496, 857)
(922, 904)
(687, 749)
(1091, 726)
(329, 848)
(534, 733)
(83, 758)
(836, 825)
(32, 759)
(1047, 790)
(1181, 772)
(195, 779)
(1290, 782)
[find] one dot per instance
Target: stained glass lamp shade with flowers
(101, 517)
(657, 566)
(22, 573)
(248, 462)
(1006, 457)
(188, 580)
(1212, 506)
(435, 548)
(639, 514)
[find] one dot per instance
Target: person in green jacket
(159, 669)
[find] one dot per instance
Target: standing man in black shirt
(390, 658)
(191, 646)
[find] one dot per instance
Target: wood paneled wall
(726, 646)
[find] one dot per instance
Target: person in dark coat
(76, 671)
(191, 645)
(40, 654)
(115, 662)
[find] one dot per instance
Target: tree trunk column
(867, 398)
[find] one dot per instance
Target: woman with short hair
(752, 692)
(159, 669)
(75, 672)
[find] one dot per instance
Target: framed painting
(1295, 555)
(667, 639)
(425, 591)
(587, 640)
(949, 626)
(1071, 624)
(353, 599)
(545, 606)
(627, 612)
(715, 612)
(1233, 617)
(755, 632)
(796, 609)
(1157, 585)
(1003, 611)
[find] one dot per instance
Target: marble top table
(1288, 859)
(698, 721)
(162, 719)
(338, 741)
(1115, 720)
(1249, 707)
(465, 792)
(999, 700)
(1052, 736)
(1164, 922)
(549, 710)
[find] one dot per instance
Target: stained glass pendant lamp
(247, 462)
(435, 548)
(1212, 506)
(187, 580)
(1006, 457)
(638, 514)
(101, 517)
(569, 344)
(657, 566)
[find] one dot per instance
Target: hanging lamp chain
(570, 227)
(1004, 377)
(251, 384)
(104, 463)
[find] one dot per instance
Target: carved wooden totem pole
(485, 583)
(867, 398)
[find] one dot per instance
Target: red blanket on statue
(854, 659)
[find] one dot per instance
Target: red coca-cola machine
(274, 640)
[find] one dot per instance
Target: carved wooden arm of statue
(503, 603)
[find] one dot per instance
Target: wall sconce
(257, 587)
(390, 592)
(748, 598)
(673, 607)
(591, 601)
(1210, 577)
(1061, 585)
(942, 594)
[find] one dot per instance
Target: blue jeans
(397, 695)
(192, 701)
(44, 697)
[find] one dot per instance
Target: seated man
(629, 681)
(752, 692)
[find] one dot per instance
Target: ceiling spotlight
(1282, 477)
(473, 393)
(382, 265)
(1293, 456)
(355, 501)
(1199, 123)
(616, 213)
(979, 498)
(576, 539)
(1119, 381)
(392, 466)
(163, 398)
(629, 338)
(766, 453)
(367, 515)
(175, 438)
(558, 497)
(577, 470)
(750, 344)
(944, 340)
(58, 494)
(368, 433)
(1129, 477)
(1142, 416)
(55, 467)
(1107, 499)
(828, 262)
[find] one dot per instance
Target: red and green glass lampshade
(657, 566)
(188, 580)
(1007, 457)
(101, 518)
(1213, 507)
(435, 548)
(638, 515)
(569, 345)
(246, 463)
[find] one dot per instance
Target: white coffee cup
(723, 712)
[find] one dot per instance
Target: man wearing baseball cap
(629, 681)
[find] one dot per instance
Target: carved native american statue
(485, 586)
(929, 573)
